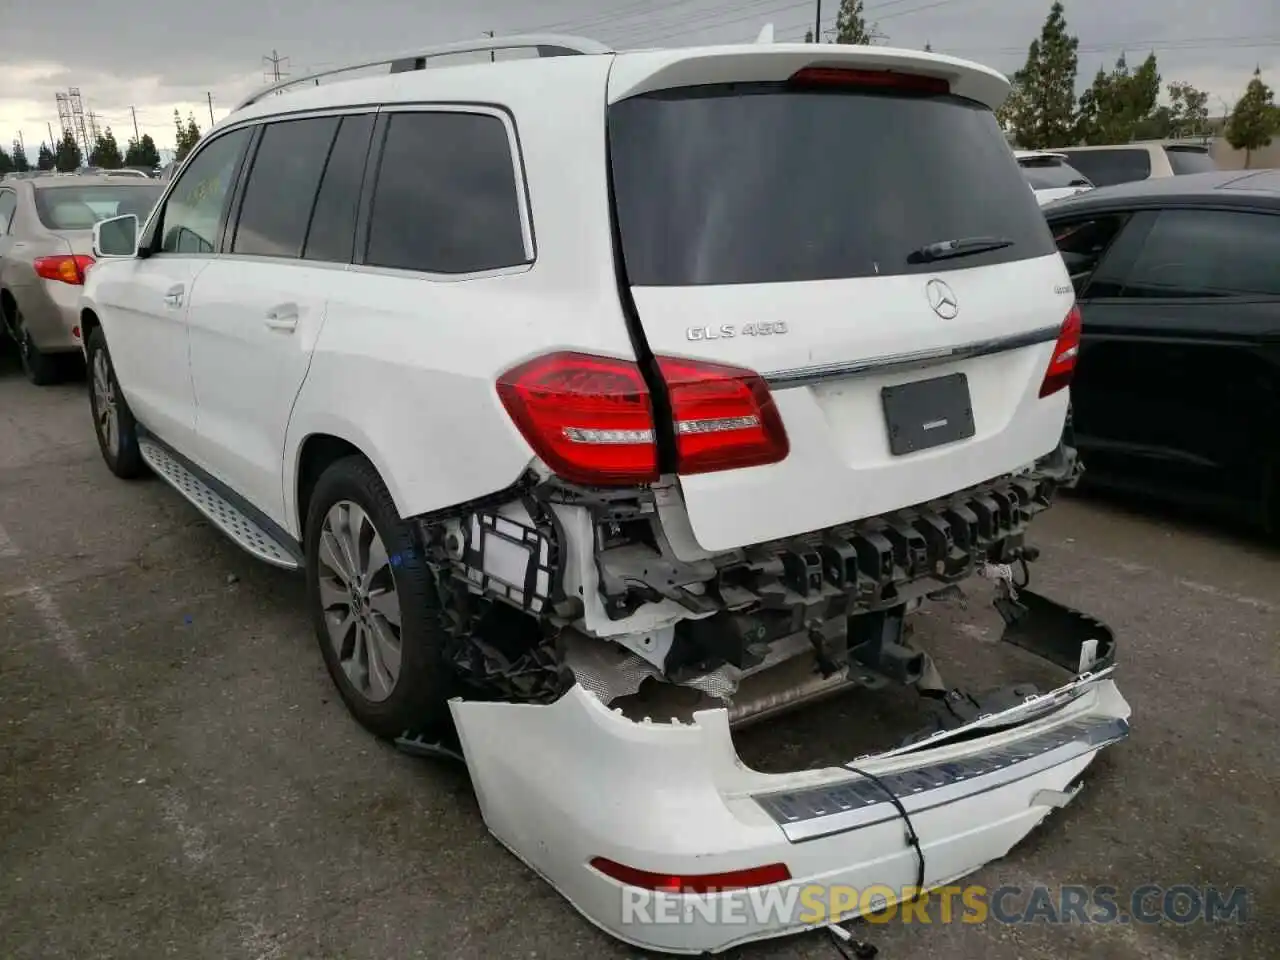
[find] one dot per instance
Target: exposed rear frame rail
(546, 45)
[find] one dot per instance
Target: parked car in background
(1178, 390)
(46, 237)
(1050, 175)
(1107, 166)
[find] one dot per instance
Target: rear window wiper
(963, 247)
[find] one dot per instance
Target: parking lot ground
(178, 779)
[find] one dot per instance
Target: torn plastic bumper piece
(568, 783)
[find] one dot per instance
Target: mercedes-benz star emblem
(941, 299)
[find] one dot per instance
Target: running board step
(224, 515)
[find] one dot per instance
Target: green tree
(68, 157)
(851, 24)
(1045, 112)
(1121, 105)
(106, 152)
(1254, 119)
(1013, 107)
(1188, 110)
(6, 162)
(142, 153)
(45, 159)
(186, 135)
(808, 36)
(20, 162)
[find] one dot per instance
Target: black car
(1177, 392)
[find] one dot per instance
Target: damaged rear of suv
(782, 353)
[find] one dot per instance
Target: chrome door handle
(174, 297)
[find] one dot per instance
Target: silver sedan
(46, 240)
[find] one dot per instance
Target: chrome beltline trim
(891, 363)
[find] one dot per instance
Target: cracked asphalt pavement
(177, 777)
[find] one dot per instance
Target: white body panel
(840, 468)
(253, 325)
(148, 336)
(681, 802)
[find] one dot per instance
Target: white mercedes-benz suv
(610, 400)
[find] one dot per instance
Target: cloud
(158, 56)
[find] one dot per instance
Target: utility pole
(817, 23)
(209, 96)
(489, 34)
(53, 144)
(137, 137)
(275, 60)
(22, 143)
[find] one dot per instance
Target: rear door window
(1190, 160)
(333, 223)
(1208, 253)
(1107, 167)
(281, 190)
(759, 183)
(446, 199)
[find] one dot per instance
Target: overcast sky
(155, 56)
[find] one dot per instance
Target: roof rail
(546, 44)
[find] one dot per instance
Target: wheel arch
(315, 450)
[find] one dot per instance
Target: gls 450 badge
(766, 329)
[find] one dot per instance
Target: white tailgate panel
(840, 467)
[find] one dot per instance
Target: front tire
(113, 422)
(374, 606)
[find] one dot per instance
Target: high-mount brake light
(64, 268)
(1066, 352)
(724, 417)
(694, 882)
(588, 418)
(882, 79)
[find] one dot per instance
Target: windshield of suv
(80, 207)
(1190, 160)
(758, 183)
(1050, 173)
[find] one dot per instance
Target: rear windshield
(1108, 167)
(80, 207)
(755, 183)
(1050, 173)
(1189, 160)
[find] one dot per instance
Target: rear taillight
(588, 418)
(724, 417)
(1065, 354)
(591, 419)
(882, 79)
(694, 882)
(67, 269)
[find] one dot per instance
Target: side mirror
(117, 237)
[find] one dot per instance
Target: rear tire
(113, 422)
(41, 368)
(364, 572)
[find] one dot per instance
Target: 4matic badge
(767, 328)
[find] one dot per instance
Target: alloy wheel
(104, 403)
(359, 599)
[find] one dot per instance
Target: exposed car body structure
(598, 445)
(1179, 392)
(46, 233)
